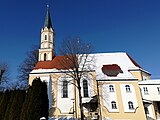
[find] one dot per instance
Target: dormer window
(111, 70)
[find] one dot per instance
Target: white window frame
(111, 88)
(145, 89)
(128, 88)
(114, 105)
(130, 105)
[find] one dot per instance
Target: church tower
(46, 51)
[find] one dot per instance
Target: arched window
(65, 89)
(45, 56)
(130, 105)
(85, 88)
(45, 37)
(111, 88)
(114, 106)
(128, 89)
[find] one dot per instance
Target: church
(116, 80)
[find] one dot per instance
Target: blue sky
(131, 26)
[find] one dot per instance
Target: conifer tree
(36, 102)
(24, 111)
(7, 113)
(45, 102)
(17, 105)
(39, 101)
(3, 104)
(34, 107)
(1, 94)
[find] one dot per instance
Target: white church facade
(116, 80)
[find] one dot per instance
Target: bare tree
(76, 63)
(28, 64)
(4, 72)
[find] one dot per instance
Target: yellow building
(120, 97)
(116, 75)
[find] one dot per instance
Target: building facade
(150, 90)
(117, 84)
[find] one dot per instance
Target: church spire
(48, 22)
(46, 51)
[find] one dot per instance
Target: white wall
(153, 94)
(128, 96)
(108, 97)
(65, 104)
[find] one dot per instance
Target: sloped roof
(48, 22)
(134, 62)
(53, 64)
(121, 59)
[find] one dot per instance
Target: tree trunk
(80, 101)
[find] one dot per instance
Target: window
(145, 90)
(130, 105)
(85, 88)
(114, 106)
(111, 88)
(45, 37)
(158, 88)
(65, 89)
(45, 56)
(128, 89)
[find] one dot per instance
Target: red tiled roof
(111, 70)
(113, 67)
(55, 63)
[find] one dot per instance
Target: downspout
(99, 106)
